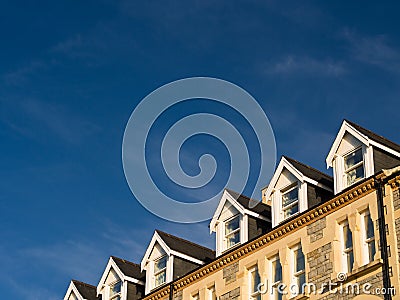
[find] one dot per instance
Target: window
(211, 295)
(160, 271)
(354, 166)
(195, 296)
(348, 255)
(276, 277)
(254, 282)
(115, 290)
(232, 232)
(290, 201)
(299, 270)
(369, 237)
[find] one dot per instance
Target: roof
(375, 137)
(87, 291)
(311, 172)
(187, 247)
(251, 204)
(129, 268)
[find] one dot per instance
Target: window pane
(299, 259)
(353, 158)
(370, 227)
(371, 250)
(301, 281)
(255, 281)
(116, 288)
(160, 264)
(160, 278)
(277, 269)
(291, 211)
(233, 239)
(350, 261)
(290, 197)
(231, 225)
(355, 175)
(348, 237)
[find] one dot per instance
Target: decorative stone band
(395, 182)
(301, 221)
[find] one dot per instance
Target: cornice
(395, 182)
(276, 234)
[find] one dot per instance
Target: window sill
(360, 271)
(300, 297)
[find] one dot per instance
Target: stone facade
(397, 228)
(316, 230)
(396, 199)
(178, 295)
(232, 295)
(320, 264)
(230, 272)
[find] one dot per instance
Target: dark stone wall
(135, 291)
(317, 195)
(182, 267)
(384, 160)
(258, 227)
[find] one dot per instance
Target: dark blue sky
(71, 72)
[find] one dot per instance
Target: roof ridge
(307, 166)
(125, 261)
(184, 240)
(81, 282)
(370, 131)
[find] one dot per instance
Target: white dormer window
(116, 290)
(160, 271)
(353, 166)
(232, 232)
(290, 201)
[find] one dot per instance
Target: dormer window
(294, 188)
(290, 201)
(160, 271)
(354, 166)
(232, 232)
(115, 290)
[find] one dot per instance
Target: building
(311, 237)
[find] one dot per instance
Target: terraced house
(312, 236)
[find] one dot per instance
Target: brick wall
(320, 265)
(230, 272)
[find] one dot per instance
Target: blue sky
(71, 72)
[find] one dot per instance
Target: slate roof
(251, 204)
(87, 291)
(375, 137)
(311, 172)
(129, 268)
(187, 247)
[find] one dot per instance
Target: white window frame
(238, 230)
(286, 190)
(353, 167)
(367, 241)
(163, 270)
(295, 275)
(211, 293)
(346, 251)
(253, 295)
(274, 288)
(119, 294)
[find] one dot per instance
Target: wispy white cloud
(374, 50)
(51, 116)
(20, 75)
(293, 64)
